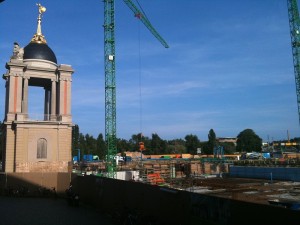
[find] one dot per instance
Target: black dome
(39, 51)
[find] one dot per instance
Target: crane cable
(140, 81)
(141, 143)
(142, 10)
(140, 68)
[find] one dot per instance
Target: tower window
(42, 148)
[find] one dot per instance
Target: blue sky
(229, 66)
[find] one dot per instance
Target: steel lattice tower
(294, 22)
(110, 77)
(110, 86)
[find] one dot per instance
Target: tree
(82, 145)
(192, 143)
(101, 146)
(229, 148)
(134, 141)
(176, 146)
(91, 144)
(158, 145)
(248, 141)
(75, 140)
(211, 144)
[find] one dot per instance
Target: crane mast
(110, 77)
(110, 86)
(294, 22)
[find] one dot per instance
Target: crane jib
(146, 22)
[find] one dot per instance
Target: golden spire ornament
(38, 37)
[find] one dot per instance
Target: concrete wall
(33, 181)
(176, 207)
(276, 173)
(169, 206)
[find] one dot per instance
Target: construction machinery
(110, 76)
(294, 22)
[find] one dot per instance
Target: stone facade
(44, 144)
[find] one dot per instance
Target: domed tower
(33, 144)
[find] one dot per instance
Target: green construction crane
(146, 22)
(110, 77)
(294, 22)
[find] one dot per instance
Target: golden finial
(42, 9)
(39, 37)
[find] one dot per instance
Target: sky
(229, 66)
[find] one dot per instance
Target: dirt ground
(243, 189)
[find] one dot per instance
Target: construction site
(212, 176)
(193, 191)
(179, 190)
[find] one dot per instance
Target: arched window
(42, 148)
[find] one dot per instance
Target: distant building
(227, 140)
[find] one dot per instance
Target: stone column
(69, 96)
(64, 90)
(46, 105)
(6, 97)
(25, 96)
(53, 100)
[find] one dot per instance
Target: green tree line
(247, 141)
